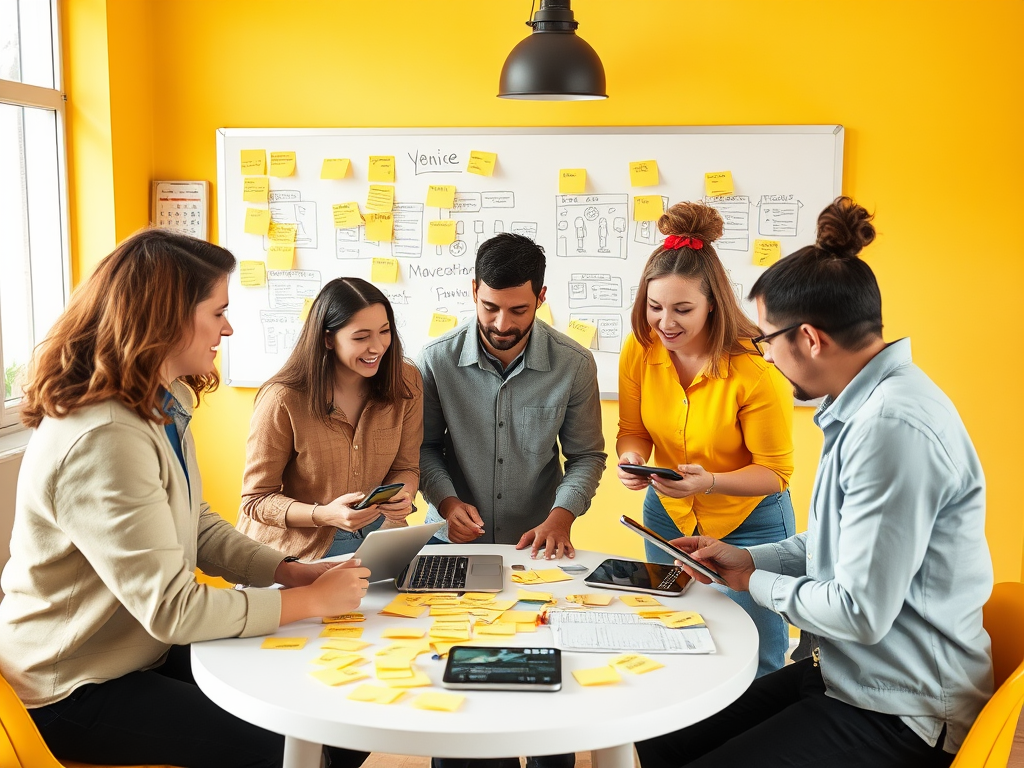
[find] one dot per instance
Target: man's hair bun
(692, 220)
(844, 228)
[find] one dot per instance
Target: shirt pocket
(386, 441)
(540, 425)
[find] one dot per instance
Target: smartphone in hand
(645, 471)
(379, 495)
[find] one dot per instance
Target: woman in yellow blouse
(693, 388)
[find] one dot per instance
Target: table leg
(301, 754)
(613, 757)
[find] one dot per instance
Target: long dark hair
(122, 324)
(311, 365)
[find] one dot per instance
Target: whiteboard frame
(223, 134)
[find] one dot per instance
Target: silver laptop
(392, 554)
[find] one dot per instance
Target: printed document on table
(604, 631)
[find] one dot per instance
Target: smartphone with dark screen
(379, 495)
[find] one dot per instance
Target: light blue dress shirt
(894, 568)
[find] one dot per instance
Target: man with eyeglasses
(892, 573)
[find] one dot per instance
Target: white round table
(273, 689)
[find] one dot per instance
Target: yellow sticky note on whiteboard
(767, 252)
(282, 163)
(441, 232)
(598, 676)
(718, 183)
(257, 221)
(481, 163)
(252, 273)
(255, 189)
(281, 256)
(284, 643)
(384, 270)
(282, 232)
(648, 207)
(544, 313)
(380, 227)
(643, 173)
(307, 304)
(380, 198)
(582, 333)
(382, 168)
(346, 215)
(572, 181)
(334, 168)
(441, 195)
(441, 324)
(254, 162)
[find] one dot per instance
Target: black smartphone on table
(645, 471)
(503, 669)
(379, 495)
(665, 546)
(653, 578)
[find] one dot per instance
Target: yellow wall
(930, 95)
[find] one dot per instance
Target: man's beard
(501, 342)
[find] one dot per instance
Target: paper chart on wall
(782, 177)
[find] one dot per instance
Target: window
(34, 265)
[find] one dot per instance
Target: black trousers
(545, 761)
(785, 720)
(161, 716)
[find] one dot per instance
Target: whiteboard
(783, 177)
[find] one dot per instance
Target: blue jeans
(770, 521)
(349, 541)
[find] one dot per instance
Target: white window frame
(52, 99)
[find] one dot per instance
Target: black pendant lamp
(553, 63)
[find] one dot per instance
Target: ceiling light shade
(553, 63)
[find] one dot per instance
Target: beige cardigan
(107, 534)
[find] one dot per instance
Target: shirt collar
(855, 394)
(658, 355)
(536, 352)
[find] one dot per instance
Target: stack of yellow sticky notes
(339, 667)
(394, 665)
(547, 576)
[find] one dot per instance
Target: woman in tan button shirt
(344, 415)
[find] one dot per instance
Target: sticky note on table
(382, 168)
(380, 198)
(281, 256)
(252, 273)
(345, 644)
(481, 163)
(638, 601)
(380, 227)
(339, 659)
(282, 163)
(257, 221)
(255, 189)
(374, 694)
(284, 643)
(399, 607)
(254, 162)
(594, 599)
(340, 676)
(643, 173)
(718, 183)
(384, 270)
(439, 702)
(441, 232)
(682, 619)
(336, 630)
(635, 663)
(441, 324)
(551, 575)
(418, 680)
(582, 333)
(334, 168)
(307, 305)
(767, 252)
(346, 215)
(530, 596)
(503, 629)
(403, 632)
(441, 195)
(343, 618)
(283, 232)
(572, 181)
(648, 207)
(596, 676)
(544, 313)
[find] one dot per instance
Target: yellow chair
(991, 737)
(21, 746)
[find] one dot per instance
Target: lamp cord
(530, 22)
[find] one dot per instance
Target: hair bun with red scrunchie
(675, 242)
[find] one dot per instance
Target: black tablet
(667, 548)
(654, 578)
(503, 669)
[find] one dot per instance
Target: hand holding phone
(665, 546)
(379, 495)
(642, 470)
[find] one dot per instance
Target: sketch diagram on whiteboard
(778, 215)
(286, 291)
(477, 219)
(351, 243)
(591, 225)
(609, 331)
(735, 211)
(286, 207)
(647, 232)
(594, 290)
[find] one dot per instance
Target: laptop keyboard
(440, 572)
(670, 578)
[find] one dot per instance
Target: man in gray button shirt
(499, 400)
